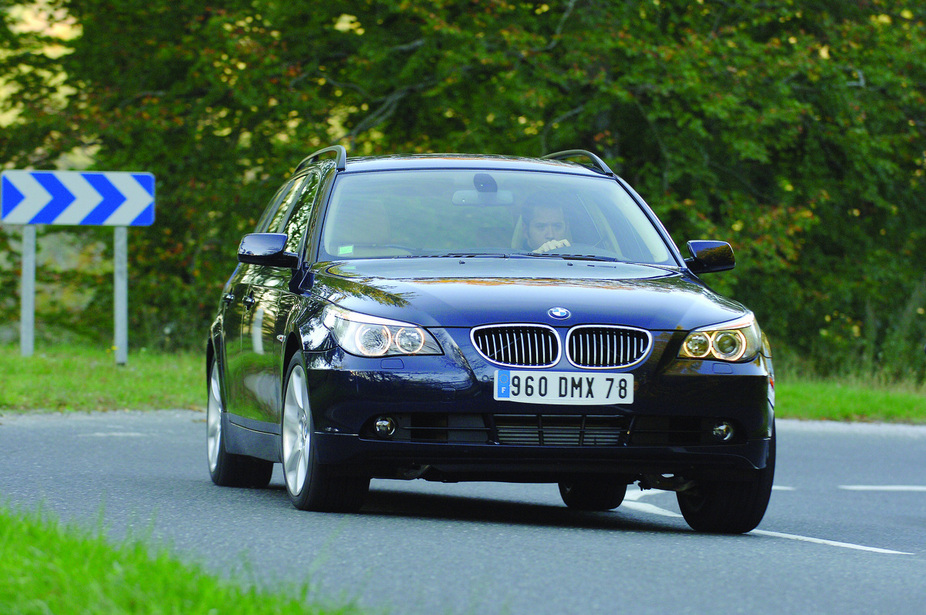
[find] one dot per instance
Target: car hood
(466, 292)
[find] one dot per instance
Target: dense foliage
(792, 128)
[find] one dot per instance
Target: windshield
(475, 213)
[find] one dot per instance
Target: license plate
(564, 388)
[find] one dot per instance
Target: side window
(278, 222)
(299, 219)
(273, 207)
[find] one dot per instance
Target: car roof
(464, 161)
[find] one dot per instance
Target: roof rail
(340, 157)
(597, 163)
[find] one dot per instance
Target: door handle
(249, 301)
(228, 298)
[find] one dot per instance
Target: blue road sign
(77, 198)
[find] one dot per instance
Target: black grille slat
(590, 346)
(605, 347)
(517, 345)
(575, 430)
(561, 430)
(670, 431)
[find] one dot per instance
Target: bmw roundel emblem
(559, 313)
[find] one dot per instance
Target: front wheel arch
(310, 484)
(730, 507)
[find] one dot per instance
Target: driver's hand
(552, 245)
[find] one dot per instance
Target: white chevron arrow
(35, 197)
(137, 199)
(85, 198)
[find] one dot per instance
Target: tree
(792, 129)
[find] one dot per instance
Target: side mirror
(710, 256)
(266, 249)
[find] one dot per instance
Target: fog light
(723, 431)
(384, 426)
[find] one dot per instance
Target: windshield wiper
(467, 255)
(573, 257)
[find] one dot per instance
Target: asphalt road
(845, 531)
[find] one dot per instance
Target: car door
(233, 310)
(238, 302)
(263, 333)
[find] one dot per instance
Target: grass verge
(48, 568)
(67, 378)
(850, 401)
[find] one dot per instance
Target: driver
(545, 227)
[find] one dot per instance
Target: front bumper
(449, 427)
(462, 462)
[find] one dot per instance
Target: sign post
(121, 294)
(79, 198)
(27, 303)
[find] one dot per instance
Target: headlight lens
(369, 336)
(373, 340)
(733, 341)
(698, 345)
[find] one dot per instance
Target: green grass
(850, 400)
(67, 378)
(48, 568)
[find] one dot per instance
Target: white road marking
(111, 434)
(649, 508)
(832, 543)
(919, 488)
(631, 502)
(777, 488)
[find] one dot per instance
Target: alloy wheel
(214, 418)
(297, 431)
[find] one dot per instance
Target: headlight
(369, 336)
(732, 341)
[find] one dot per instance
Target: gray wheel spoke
(296, 431)
(214, 419)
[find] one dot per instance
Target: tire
(730, 507)
(311, 485)
(226, 469)
(587, 494)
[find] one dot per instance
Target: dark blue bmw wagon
(470, 317)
